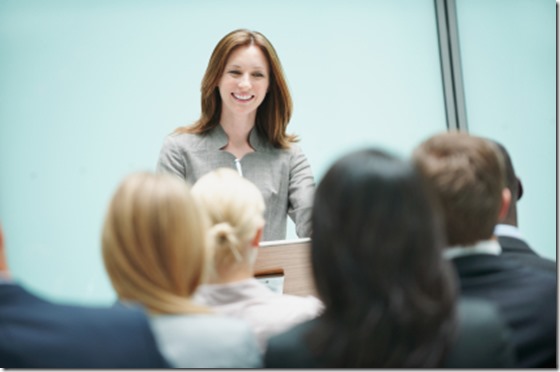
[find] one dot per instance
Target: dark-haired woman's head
(376, 255)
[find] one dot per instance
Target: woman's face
(244, 83)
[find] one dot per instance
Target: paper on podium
(274, 282)
(272, 278)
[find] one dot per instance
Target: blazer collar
(217, 139)
(483, 264)
(514, 245)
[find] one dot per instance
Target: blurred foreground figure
(389, 295)
(468, 175)
(154, 249)
(36, 333)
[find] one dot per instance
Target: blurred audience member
(468, 174)
(36, 333)
(154, 251)
(235, 208)
(389, 295)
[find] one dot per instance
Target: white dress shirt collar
(481, 247)
(508, 230)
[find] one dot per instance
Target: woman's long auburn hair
(153, 243)
(274, 113)
(377, 263)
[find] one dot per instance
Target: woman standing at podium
(246, 107)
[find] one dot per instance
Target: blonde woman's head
(153, 243)
(235, 209)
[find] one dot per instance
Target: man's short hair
(468, 176)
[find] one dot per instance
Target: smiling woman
(243, 86)
(246, 107)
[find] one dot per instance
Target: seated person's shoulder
(282, 308)
(206, 340)
(289, 349)
(310, 303)
(483, 340)
(478, 314)
(98, 318)
(204, 326)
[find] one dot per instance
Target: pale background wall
(89, 89)
(508, 51)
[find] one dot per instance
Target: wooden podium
(289, 258)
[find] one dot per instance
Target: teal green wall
(508, 50)
(89, 89)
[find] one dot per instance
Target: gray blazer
(283, 176)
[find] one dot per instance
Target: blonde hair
(153, 243)
(235, 208)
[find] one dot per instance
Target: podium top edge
(284, 242)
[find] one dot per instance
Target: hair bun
(224, 240)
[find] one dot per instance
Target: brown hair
(153, 243)
(468, 175)
(275, 111)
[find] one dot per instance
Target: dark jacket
(482, 341)
(520, 250)
(526, 297)
(35, 333)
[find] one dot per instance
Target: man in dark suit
(509, 236)
(468, 176)
(35, 333)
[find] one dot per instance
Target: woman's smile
(243, 97)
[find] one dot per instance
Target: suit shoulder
(483, 340)
(289, 349)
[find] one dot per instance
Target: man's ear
(519, 189)
(257, 239)
(3, 257)
(1, 239)
(506, 201)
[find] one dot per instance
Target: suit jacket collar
(477, 265)
(514, 245)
